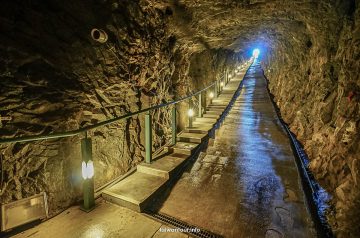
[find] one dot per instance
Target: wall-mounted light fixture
(99, 35)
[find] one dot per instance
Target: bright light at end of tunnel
(256, 53)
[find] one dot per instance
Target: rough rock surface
(54, 77)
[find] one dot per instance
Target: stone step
(191, 137)
(213, 106)
(218, 101)
(164, 167)
(207, 115)
(199, 128)
(214, 112)
(136, 191)
(185, 148)
(227, 98)
(202, 119)
(200, 124)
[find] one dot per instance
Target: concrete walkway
(106, 221)
(246, 184)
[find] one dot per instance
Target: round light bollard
(211, 96)
(190, 114)
(87, 169)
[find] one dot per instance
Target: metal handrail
(103, 123)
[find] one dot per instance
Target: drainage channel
(315, 195)
(183, 226)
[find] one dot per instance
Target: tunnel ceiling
(240, 25)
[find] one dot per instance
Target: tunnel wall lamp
(99, 35)
(87, 167)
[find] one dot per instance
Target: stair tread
(165, 164)
(136, 188)
(192, 135)
(202, 119)
(209, 115)
(200, 126)
(207, 124)
(185, 145)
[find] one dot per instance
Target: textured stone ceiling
(240, 25)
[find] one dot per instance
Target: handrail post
(200, 106)
(215, 89)
(219, 86)
(205, 104)
(88, 175)
(148, 138)
(173, 125)
(226, 76)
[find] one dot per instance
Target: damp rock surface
(54, 77)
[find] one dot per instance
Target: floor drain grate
(192, 230)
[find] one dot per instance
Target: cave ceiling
(241, 25)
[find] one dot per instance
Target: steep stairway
(140, 188)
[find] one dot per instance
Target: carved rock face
(55, 77)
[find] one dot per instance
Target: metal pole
(215, 89)
(88, 184)
(205, 104)
(200, 106)
(173, 125)
(190, 116)
(226, 76)
(148, 138)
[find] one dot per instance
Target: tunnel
(255, 104)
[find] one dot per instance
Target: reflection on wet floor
(246, 184)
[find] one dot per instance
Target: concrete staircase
(140, 189)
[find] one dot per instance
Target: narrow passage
(246, 184)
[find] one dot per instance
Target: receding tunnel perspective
(150, 119)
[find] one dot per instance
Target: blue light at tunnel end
(256, 53)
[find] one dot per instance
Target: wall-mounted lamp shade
(211, 95)
(87, 169)
(222, 84)
(99, 35)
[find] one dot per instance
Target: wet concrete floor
(246, 184)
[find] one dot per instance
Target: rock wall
(54, 77)
(316, 83)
